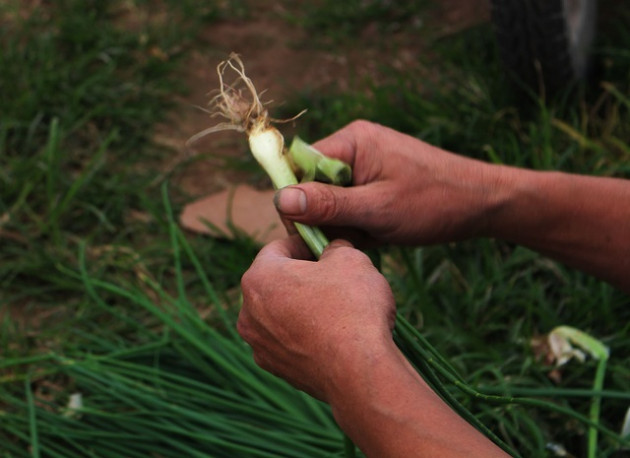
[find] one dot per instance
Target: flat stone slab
(241, 209)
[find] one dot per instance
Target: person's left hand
(306, 320)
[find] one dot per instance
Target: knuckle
(248, 277)
(243, 328)
(261, 361)
(327, 204)
(352, 255)
(365, 132)
(250, 283)
(360, 125)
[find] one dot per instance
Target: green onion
(244, 112)
(560, 340)
(317, 167)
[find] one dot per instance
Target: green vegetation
(82, 85)
(117, 304)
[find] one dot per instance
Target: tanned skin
(326, 326)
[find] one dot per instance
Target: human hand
(305, 320)
(405, 191)
(326, 328)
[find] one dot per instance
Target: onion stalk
(240, 104)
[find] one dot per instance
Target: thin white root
(240, 106)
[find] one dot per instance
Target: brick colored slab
(242, 207)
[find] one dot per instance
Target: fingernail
(290, 201)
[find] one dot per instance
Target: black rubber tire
(545, 44)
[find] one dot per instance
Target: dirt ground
(278, 60)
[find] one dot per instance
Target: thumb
(319, 204)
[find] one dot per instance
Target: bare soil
(280, 59)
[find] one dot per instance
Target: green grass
(139, 319)
(81, 93)
(481, 302)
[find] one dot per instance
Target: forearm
(389, 411)
(579, 220)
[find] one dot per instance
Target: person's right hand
(404, 190)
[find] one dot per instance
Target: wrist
(352, 364)
(482, 192)
(519, 200)
(388, 410)
(510, 189)
(376, 381)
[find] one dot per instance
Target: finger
(345, 143)
(358, 238)
(292, 247)
(318, 204)
(339, 145)
(340, 249)
(338, 243)
(289, 226)
(333, 248)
